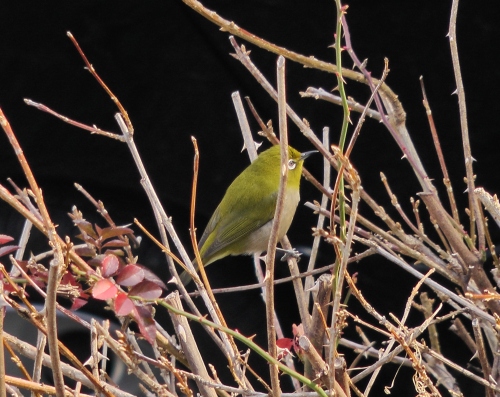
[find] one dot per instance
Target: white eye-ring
(292, 164)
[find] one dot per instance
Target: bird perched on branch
(242, 222)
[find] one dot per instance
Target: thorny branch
(455, 256)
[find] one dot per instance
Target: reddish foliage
(143, 315)
(78, 303)
(104, 289)
(146, 290)
(130, 275)
(5, 239)
(110, 265)
(123, 304)
(284, 347)
(7, 249)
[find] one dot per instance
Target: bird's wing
(228, 226)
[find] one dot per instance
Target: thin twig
(65, 351)
(431, 283)
(473, 204)
(427, 311)
(58, 261)
(437, 145)
(23, 240)
(189, 345)
(458, 328)
(481, 352)
(249, 144)
(388, 349)
(251, 147)
(192, 232)
(364, 113)
(458, 368)
(321, 217)
(285, 243)
(91, 129)
(112, 96)
(50, 310)
(165, 226)
(39, 388)
(240, 288)
(248, 342)
(320, 93)
(273, 238)
(307, 61)
(345, 253)
(3, 390)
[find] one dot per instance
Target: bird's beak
(305, 155)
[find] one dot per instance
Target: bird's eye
(292, 164)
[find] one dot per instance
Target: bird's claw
(293, 253)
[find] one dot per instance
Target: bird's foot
(293, 253)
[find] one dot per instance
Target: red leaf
(143, 316)
(146, 290)
(69, 278)
(123, 304)
(5, 239)
(284, 347)
(110, 265)
(104, 289)
(78, 303)
(7, 249)
(284, 343)
(130, 275)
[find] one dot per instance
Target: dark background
(172, 71)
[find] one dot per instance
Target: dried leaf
(115, 243)
(85, 227)
(117, 252)
(109, 232)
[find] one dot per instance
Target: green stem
(256, 348)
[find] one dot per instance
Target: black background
(172, 71)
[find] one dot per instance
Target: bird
(242, 222)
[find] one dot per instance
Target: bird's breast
(259, 239)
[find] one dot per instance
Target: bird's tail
(185, 278)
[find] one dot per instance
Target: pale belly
(259, 239)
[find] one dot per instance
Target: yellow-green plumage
(242, 222)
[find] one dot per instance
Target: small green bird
(242, 222)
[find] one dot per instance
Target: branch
(475, 216)
(273, 238)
